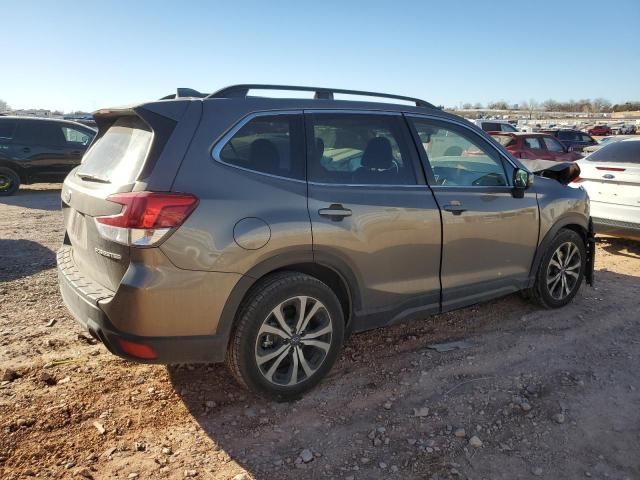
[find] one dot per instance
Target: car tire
(560, 274)
(9, 182)
(283, 361)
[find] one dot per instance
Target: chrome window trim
(222, 141)
(350, 111)
(369, 185)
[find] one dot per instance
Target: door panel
(489, 237)
(372, 212)
(390, 241)
(487, 248)
(41, 148)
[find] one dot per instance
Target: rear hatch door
(111, 165)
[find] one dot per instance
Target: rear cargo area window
(118, 156)
(272, 144)
(619, 152)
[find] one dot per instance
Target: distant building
(32, 112)
(634, 114)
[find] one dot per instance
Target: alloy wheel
(293, 341)
(5, 182)
(563, 270)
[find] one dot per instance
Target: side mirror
(521, 181)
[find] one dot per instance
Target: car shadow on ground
(41, 198)
(266, 437)
(620, 246)
(22, 258)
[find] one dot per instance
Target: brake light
(146, 217)
(611, 169)
(577, 180)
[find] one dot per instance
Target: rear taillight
(146, 217)
(577, 180)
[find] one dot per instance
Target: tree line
(597, 105)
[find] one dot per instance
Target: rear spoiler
(563, 172)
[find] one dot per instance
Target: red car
(600, 130)
(535, 146)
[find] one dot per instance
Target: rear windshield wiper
(92, 178)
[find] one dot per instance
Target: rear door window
(553, 145)
(119, 154)
(272, 144)
(360, 149)
(567, 135)
(533, 143)
(7, 129)
(39, 133)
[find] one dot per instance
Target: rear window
(618, 152)
(119, 154)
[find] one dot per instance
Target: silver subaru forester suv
(262, 231)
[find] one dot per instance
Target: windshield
(119, 154)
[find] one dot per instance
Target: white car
(611, 176)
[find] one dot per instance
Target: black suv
(574, 140)
(39, 149)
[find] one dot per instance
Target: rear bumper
(84, 298)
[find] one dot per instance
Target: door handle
(26, 149)
(335, 212)
(454, 207)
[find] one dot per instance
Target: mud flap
(591, 254)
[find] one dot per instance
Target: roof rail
(241, 91)
(185, 93)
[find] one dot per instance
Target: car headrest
(264, 153)
(378, 154)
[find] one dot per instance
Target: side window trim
(222, 141)
(407, 138)
(497, 154)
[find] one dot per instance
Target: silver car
(263, 231)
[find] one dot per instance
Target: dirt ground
(533, 393)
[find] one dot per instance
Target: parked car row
(39, 150)
(535, 146)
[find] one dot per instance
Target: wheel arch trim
(579, 223)
(301, 261)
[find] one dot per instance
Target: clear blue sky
(86, 55)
